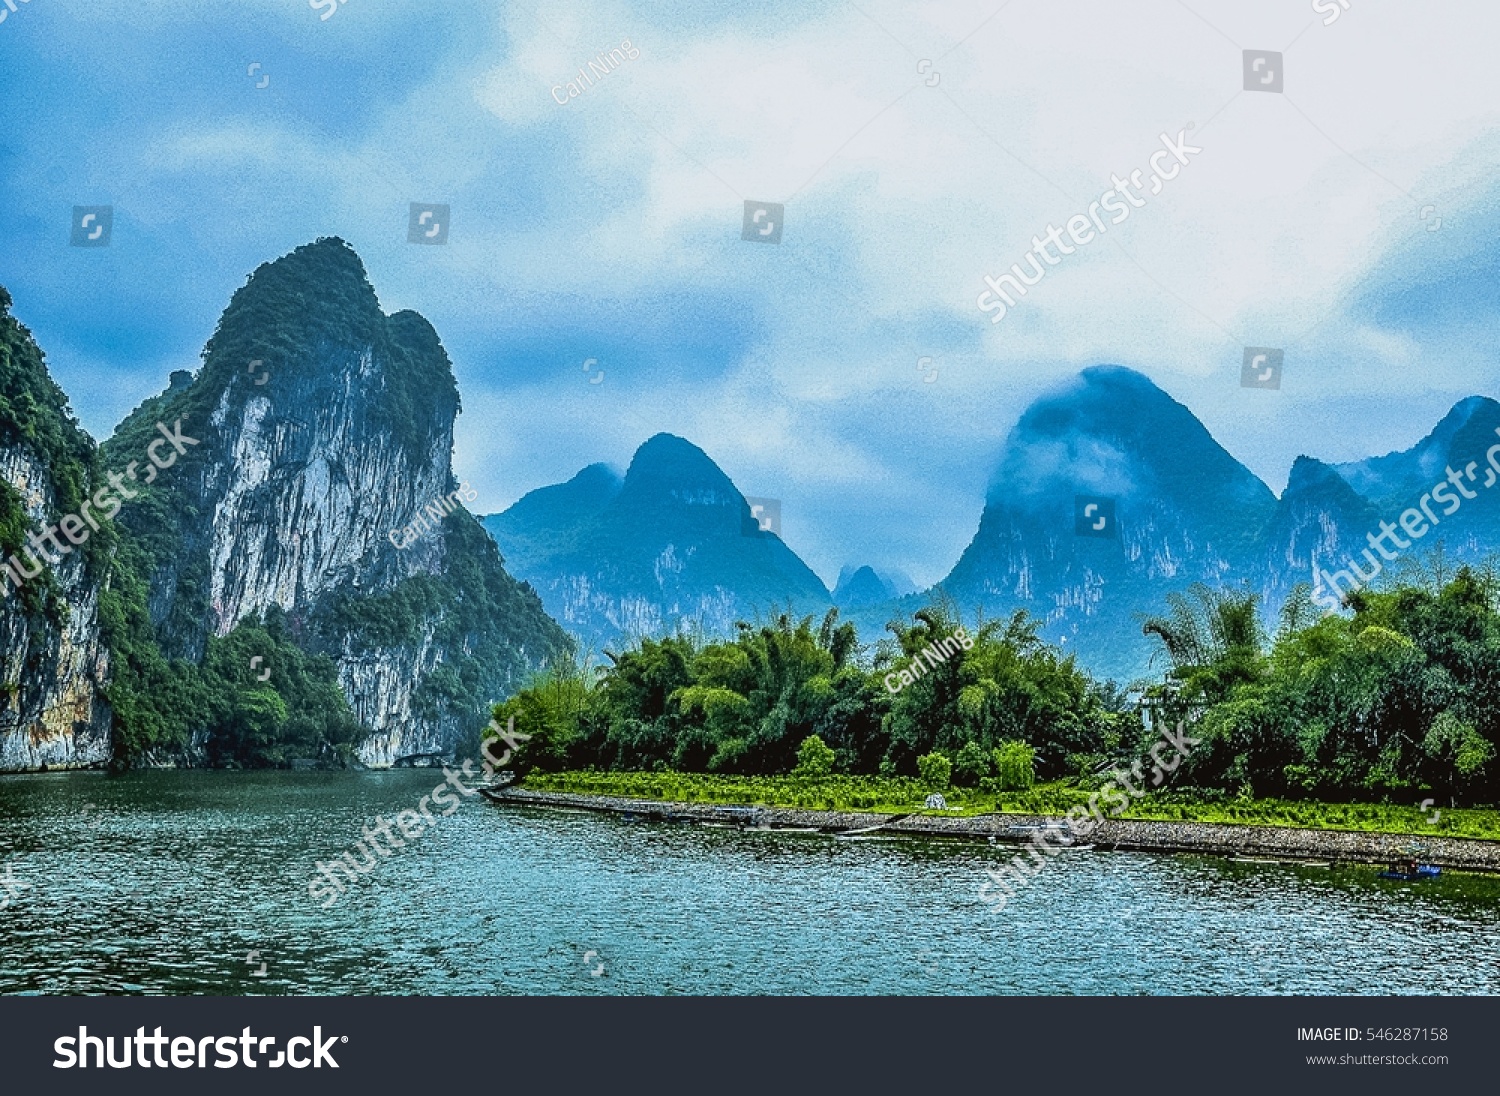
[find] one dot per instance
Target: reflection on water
(198, 883)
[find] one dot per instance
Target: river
(197, 882)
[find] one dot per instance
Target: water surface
(166, 882)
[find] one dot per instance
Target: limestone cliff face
(300, 495)
(53, 664)
(325, 434)
(51, 673)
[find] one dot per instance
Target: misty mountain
(1170, 507)
(1175, 508)
(672, 543)
(861, 586)
(1108, 496)
(1318, 517)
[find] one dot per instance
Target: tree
(1214, 641)
(971, 765)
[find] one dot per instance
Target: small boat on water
(1409, 871)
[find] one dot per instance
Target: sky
(594, 288)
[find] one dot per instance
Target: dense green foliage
(221, 707)
(34, 416)
(224, 709)
(34, 412)
(1398, 701)
(749, 705)
(299, 711)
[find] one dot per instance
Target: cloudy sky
(1350, 220)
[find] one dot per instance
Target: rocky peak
(320, 480)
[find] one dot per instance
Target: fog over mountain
(671, 544)
(1174, 508)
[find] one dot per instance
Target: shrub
(935, 771)
(1015, 766)
(814, 758)
(971, 765)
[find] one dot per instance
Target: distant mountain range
(671, 544)
(857, 586)
(615, 558)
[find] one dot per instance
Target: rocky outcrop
(52, 671)
(53, 662)
(320, 484)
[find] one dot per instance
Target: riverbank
(1124, 834)
(908, 795)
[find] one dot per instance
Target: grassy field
(901, 795)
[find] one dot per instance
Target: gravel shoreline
(1209, 838)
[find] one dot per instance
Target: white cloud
(899, 198)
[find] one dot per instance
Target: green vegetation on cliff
(34, 416)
